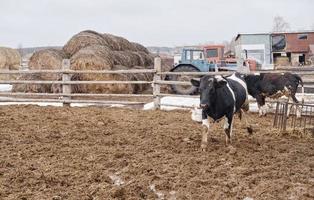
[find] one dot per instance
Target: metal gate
(286, 118)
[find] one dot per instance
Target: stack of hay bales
(47, 59)
(10, 59)
(89, 50)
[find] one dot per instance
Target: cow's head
(207, 86)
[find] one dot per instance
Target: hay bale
(47, 59)
(118, 43)
(10, 59)
(132, 58)
(126, 58)
(96, 57)
(139, 47)
(99, 57)
(105, 88)
(83, 39)
(31, 88)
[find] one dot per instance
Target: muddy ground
(101, 153)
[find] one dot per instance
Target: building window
(302, 36)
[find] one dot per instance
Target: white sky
(150, 22)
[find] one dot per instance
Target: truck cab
(198, 59)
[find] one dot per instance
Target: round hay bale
(132, 58)
(83, 39)
(105, 88)
(139, 88)
(118, 43)
(139, 47)
(10, 59)
(47, 59)
(147, 59)
(94, 57)
(111, 41)
(31, 88)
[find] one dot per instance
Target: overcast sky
(150, 22)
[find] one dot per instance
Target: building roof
(273, 33)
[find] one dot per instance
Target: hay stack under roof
(83, 39)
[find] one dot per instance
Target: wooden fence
(66, 96)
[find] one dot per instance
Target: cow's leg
(228, 128)
(205, 132)
(247, 124)
(262, 108)
(298, 108)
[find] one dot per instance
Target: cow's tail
(302, 86)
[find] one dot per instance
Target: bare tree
(280, 25)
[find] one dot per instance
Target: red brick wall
(296, 45)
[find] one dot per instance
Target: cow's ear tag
(195, 82)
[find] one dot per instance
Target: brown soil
(102, 153)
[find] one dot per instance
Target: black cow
(221, 97)
(275, 86)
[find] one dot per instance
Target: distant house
(268, 49)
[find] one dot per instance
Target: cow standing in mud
(273, 86)
(221, 97)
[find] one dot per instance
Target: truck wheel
(183, 89)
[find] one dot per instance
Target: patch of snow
(5, 88)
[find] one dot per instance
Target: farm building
(280, 48)
(256, 46)
(292, 48)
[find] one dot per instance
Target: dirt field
(101, 153)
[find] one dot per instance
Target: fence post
(156, 86)
(66, 88)
(285, 113)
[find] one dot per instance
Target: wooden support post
(156, 86)
(66, 89)
(285, 117)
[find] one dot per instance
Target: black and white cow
(274, 86)
(221, 97)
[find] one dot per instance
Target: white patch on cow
(226, 124)
(233, 96)
(231, 128)
(205, 122)
(241, 82)
(219, 78)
